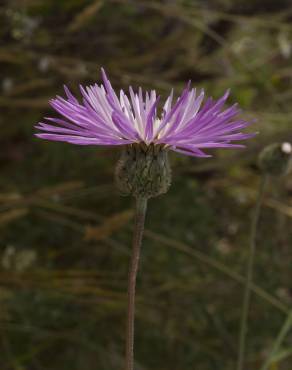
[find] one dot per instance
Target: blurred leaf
(281, 355)
(85, 15)
(109, 226)
(10, 216)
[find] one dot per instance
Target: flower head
(187, 125)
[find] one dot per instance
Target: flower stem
(141, 207)
(249, 274)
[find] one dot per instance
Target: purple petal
(101, 118)
(150, 120)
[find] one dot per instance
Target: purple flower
(103, 118)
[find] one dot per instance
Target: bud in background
(276, 159)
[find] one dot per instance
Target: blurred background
(64, 230)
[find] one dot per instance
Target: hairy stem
(249, 274)
(141, 207)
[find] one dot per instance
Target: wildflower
(133, 121)
(103, 118)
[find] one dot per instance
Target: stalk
(141, 207)
(249, 273)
